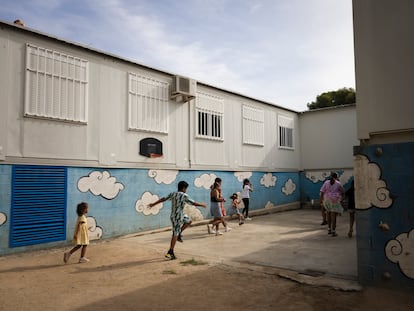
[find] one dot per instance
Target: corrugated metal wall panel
(38, 212)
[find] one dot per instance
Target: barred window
(285, 132)
(253, 126)
(147, 104)
(209, 116)
(56, 85)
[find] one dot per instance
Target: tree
(344, 96)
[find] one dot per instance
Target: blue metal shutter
(38, 211)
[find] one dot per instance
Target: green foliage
(344, 96)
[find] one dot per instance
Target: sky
(285, 52)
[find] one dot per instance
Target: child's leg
(329, 219)
(75, 249)
(83, 251)
(333, 223)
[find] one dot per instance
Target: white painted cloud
(205, 180)
(268, 180)
(370, 190)
(3, 218)
(270, 205)
(317, 176)
(95, 232)
(401, 251)
(289, 187)
(163, 176)
(242, 175)
(100, 183)
(141, 206)
(193, 212)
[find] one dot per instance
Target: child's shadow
(115, 266)
(31, 268)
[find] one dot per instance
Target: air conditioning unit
(183, 89)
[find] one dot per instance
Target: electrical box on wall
(150, 147)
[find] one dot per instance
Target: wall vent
(183, 89)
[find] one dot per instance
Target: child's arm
(157, 202)
(200, 204)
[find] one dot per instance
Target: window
(147, 104)
(253, 126)
(285, 132)
(209, 116)
(56, 85)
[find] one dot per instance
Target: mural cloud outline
(268, 180)
(370, 190)
(100, 184)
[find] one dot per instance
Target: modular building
(82, 125)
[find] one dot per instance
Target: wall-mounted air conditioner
(183, 89)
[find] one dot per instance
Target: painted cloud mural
(193, 212)
(141, 205)
(205, 180)
(242, 175)
(95, 232)
(289, 187)
(268, 180)
(371, 190)
(3, 218)
(401, 251)
(317, 176)
(163, 176)
(269, 205)
(100, 183)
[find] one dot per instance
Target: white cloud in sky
(283, 52)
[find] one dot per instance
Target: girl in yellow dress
(80, 236)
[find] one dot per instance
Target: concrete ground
(291, 240)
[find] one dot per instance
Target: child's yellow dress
(82, 238)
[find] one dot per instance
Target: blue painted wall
(386, 252)
(118, 198)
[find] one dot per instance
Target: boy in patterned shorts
(178, 201)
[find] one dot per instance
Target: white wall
(327, 138)
(105, 140)
(384, 50)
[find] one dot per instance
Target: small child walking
(80, 236)
(234, 208)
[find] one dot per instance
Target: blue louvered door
(38, 211)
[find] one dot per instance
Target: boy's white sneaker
(227, 229)
(83, 259)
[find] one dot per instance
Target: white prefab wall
(328, 137)
(384, 81)
(121, 104)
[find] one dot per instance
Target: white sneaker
(248, 218)
(227, 229)
(83, 259)
(219, 233)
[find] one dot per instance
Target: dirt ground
(119, 277)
